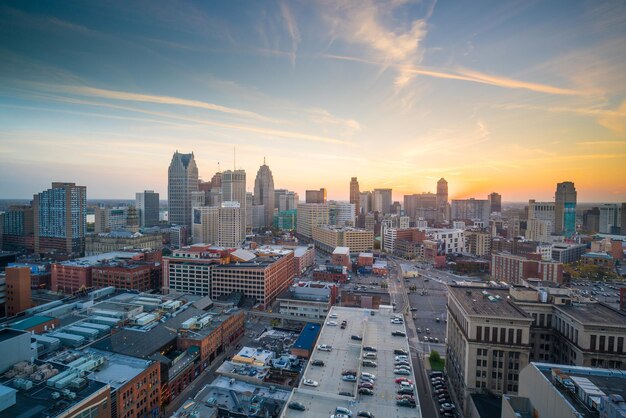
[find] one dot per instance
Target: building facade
(147, 204)
(565, 209)
(310, 215)
(355, 195)
(315, 196)
(182, 181)
(264, 194)
(60, 219)
(470, 209)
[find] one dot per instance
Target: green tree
(434, 356)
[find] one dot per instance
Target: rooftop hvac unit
(56, 395)
(20, 383)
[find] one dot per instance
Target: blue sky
(505, 96)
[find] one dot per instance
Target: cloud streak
(292, 28)
(470, 76)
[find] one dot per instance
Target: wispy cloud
(148, 98)
(292, 28)
(470, 76)
(361, 23)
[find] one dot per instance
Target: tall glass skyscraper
(147, 204)
(60, 218)
(565, 209)
(264, 193)
(182, 180)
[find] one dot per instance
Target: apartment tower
(60, 218)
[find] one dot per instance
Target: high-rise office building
(285, 200)
(182, 182)
(423, 205)
(110, 219)
(565, 208)
(623, 222)
(234, 190)
(381, 200)
(365, 202)
(205, 225)
(495, 199)
(341, 213)
(315, 196)
(355, 195)
(543, 211)
(147, 204)
(310, 215)
(229, 232)
(610, 218)
(470, 209)
(442, 200)
(591, 220)
(264, 193)
(60, 218)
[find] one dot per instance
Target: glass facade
(569, 219)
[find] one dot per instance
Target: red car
(366, 385)
(403, 379)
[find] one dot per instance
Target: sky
(511, 97)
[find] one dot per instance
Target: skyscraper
(381, 200)
(182, 182)
(264, 193)
(496, 202)
(315, 196)
(442, 200)
(565, 209)
(234, 190)
(147, 204)
(60, 218)
(355, 195)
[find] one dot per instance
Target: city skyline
(509, 98)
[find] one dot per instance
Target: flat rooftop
(96, 259)
(608, 381)
(7, 334)
(118, 368)
(347, 355)
(595, 313)
(38, 402)
(475, 302)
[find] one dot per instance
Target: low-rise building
(308, 300)
(555, 390)
(303, 257)
(514, 269)
(122, 241)
(567, 253)
(328, 237)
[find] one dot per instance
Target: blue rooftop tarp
(308, 336)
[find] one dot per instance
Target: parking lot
(430, 306)
(606, 292)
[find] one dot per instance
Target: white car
(324, 347)
(332, 315)
(368, 375)
(310, 382)
(331, 323)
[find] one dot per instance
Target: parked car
(401, 371)
(349, 378)
(401, 352)
(317, 363)
(366, 385)
(298, 406)
(331, 323)
(332, 315)
(398, 334)
(310, 382)
(343, 324)
(369, 363)
(342, 410)
(365, 414)
(369, 348)
(365, 391)
(325, 347)
(405, 403)
(357, 338)
(368, 375)
(403, 379)
(345, 393)
(405, 391)
(348, 372)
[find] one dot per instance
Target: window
(611, 343)
(494, 334)
(479, 333)
(602, 341)
(620, 344)
(510, 339)
(592, 343)
(518, 339)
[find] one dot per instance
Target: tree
(434, 356)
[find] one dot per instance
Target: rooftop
(607, 381)
(7, 334)
(346, 354)
(341, 250)
(486, 301)
(308, 336)
(487, 405)
(38, 401)
(96, 259)
(30, 322)
(595, 313)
